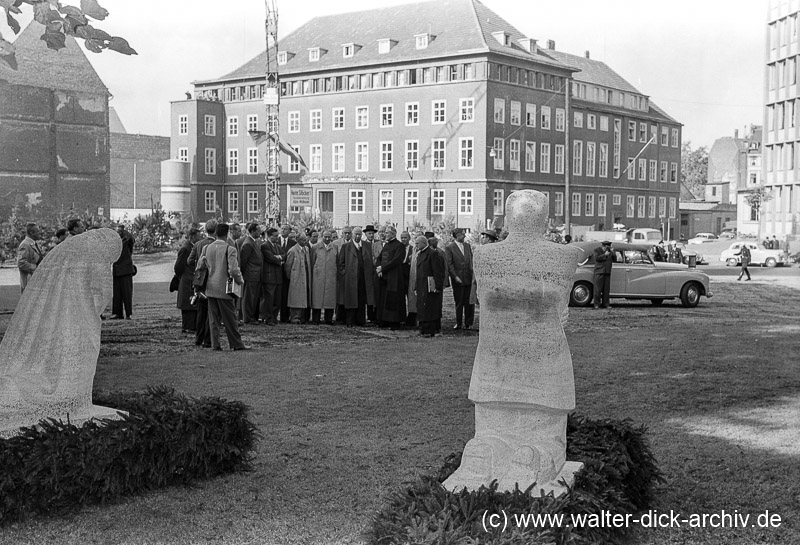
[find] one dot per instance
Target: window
(252, 160)
(603, 160)
(233, 161)
(631, 169)
(210, 201)
(233, 125)
(412, 113)
(560, 119)
(664, 135)
(617, 147)
(421, 41)
(183, 154)
(578, 119)
(662, 207)
(576, 205)
(588, 208)
(252, 202)
(362, 117)
(662, 176)
(591, 121)
(210, 125)
(437, 201)
(439, 107)
(338, 119)
(183, 124)
(545, 117)
(616, 200)
(499, 153)
(544, 157)
(384, 46)
(673, 173)
(601, 206)
(466, 152)
(387, 115)
(514, 154)
(211, 161)
(315, 155)
(603, 123)
(499, 110)
(559, 158)
(438, 146)
(412, 201)
(387, 198)
(640, 205)
(530, 156)
(498, 200)
(643, 132)
(294, 164)
(642, 170)
(630, 206)
(362, 156)
(632, 131)
(516, 113)
(294, 121)
(315, 122)
(674, 136)
(467, 110)
(590, 159)
(313, 54)
(559, 211)
(233, 202)
(672, 205)
(387, 156)
(652, 170)
(356, 201)
(464, 201)
(337, 158)
(412, 154)
(530, 115)
(348, 50)
(577, 158)
(252, 122)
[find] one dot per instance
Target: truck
(640, 235)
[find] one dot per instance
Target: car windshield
(637, 257)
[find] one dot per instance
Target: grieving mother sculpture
(48, 355)
(522, 383)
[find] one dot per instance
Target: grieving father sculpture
(48, 355)
(522, 382)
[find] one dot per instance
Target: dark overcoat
(185, 273)
(348, 273)
(430, 263)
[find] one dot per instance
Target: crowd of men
(366, 277)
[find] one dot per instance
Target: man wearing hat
(487, 237)
(603, 260)
(459, 265)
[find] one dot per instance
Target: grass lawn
(349, 414)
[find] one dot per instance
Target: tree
(755, 199)
(694, 168)
(61, 21)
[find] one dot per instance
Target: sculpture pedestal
(556, 486)
(11, 426)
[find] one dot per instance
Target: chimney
(551, 44)
(736, 133)
(586, 54)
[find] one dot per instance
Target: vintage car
(634, 275)
(700, 238)
(758, 255)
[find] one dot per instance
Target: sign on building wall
(300, 196)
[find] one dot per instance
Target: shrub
(619, 476)
(166, 438)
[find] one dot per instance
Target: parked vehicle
(730, 234)
(758, 255)
(599, 236)
(634, 275)
(686, 251)
(641, 235)
(700, 238)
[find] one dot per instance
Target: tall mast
(272, 103)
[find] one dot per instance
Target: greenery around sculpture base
(619, 476)
(166, 439)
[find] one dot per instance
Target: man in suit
(298, 269)
(429, 285)
(223, 262)
(123, 277)
(29, 254)
(459, 265)
(185, 274)
(271, 278)
(377, 246)
(356, 278)
(285, 242)
(603, 261)
(409, 265)
(324, 279)
(202, 334)
(250, 262)
(391, 293)
(433, 244)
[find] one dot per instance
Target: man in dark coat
(202, 335)
(123, 278)
(271, 278)
(459, 266)
(355, 278)
(377, 246)
(285, 243)
(250, 262)
(185, 273)
(391, 290)
(430, 275)
(603, 261)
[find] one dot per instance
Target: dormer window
(313, 54)
(284, 57)
(502, 37)
(348, 50)
(422, 40)
(385, 45)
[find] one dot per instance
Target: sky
(702, 61)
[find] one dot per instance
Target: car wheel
(657, 302)
(731, 262)
(771, 262)
(690, 294)
(581, 294)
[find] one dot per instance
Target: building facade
(780, 214)
(439, 117)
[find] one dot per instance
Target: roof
(703, 206)
(67, 69)
(456, 27)
(114, 122)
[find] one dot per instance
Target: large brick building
(54, 138)
(442, 113)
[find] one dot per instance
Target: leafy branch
(757, 197)
(61, 21)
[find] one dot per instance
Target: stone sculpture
(522, 382)
(48, 355)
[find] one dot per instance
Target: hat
(271, 231)
(489, 234)
(430, 234)
(606, 243)
(370, 229)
